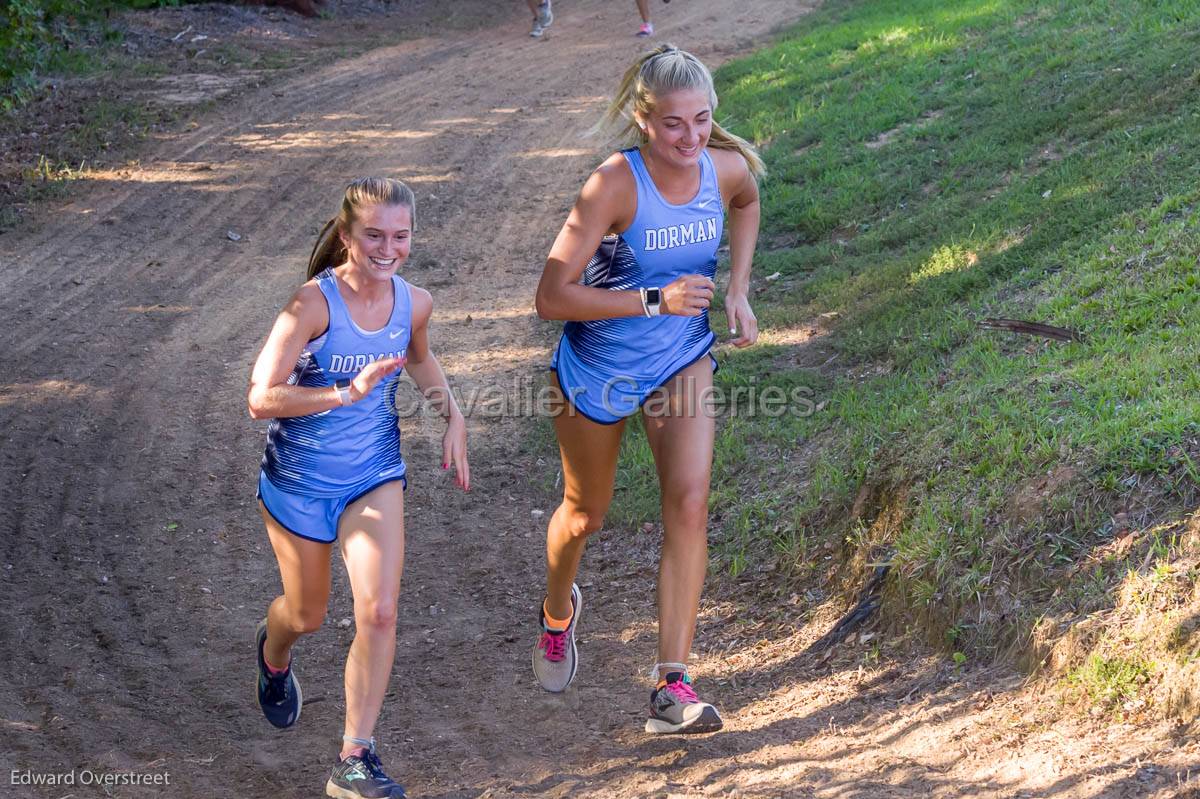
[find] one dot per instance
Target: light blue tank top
(325, 454)
(608, 366)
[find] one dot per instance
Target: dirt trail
(134, 565)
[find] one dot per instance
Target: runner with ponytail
(326, 378)
(632, 274)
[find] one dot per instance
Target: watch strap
(653, 308)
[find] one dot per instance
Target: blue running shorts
(313, 518)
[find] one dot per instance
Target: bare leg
(589, 463)
(304, 568)
(644, 9)
(372, 534)
(681, 437)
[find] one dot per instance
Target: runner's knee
(307, 620)
(581, 522)
(688, 507)
(375, 615)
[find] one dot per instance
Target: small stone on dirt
(233, 235)
(537, 514)
(344, 623)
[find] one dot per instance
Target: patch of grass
(107, 120)
(42, 36)
(635, 492)
(1110, 681)
(932, 165)
(49, 179)
(276, 60)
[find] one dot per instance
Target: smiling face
(678, 126)
(379, 240)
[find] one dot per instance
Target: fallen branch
(869, 600)
(1032, 329)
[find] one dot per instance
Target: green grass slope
(934, 164)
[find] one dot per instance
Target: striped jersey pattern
(608, 366)
(330, 453)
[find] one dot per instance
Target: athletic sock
(552, 624)
(274, 672)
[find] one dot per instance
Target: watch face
(653, 296)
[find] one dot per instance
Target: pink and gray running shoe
(555, 658)
(675, 708)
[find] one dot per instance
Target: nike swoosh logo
(396, 334)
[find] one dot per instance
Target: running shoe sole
(338, 792)
(708, 721)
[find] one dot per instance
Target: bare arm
(304, 318)
(604, 205)
(427, 373)
(596, 212)
(738, 183)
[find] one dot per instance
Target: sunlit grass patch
(933, 165)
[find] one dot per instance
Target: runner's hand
(372, 374)
(689, 295)
(454, 450)
(737, 311)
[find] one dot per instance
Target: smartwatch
(652, 302)
(343, 391)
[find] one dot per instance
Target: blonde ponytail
(329, 249)
(663, 70)
(722, 139)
